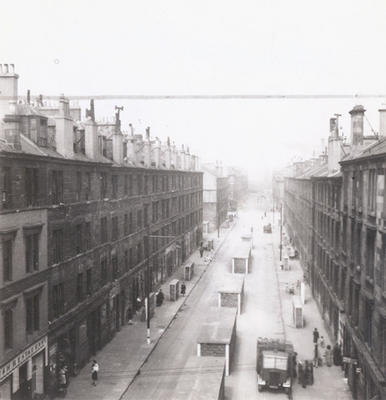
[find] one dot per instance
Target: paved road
(261, 317)
(158, 378)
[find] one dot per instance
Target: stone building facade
(215, 196)
(363, 263)
(91, 220)
(237, 187)
(347, 257)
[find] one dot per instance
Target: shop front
(23, 376)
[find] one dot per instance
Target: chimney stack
(8, 88)
(147, 149)
(333, 128)
(382, 121)
(183, 158)
(357, 114)
(157, 153)
(118, 147)
(168, 155)
(91, 139)
(131, 153)
(64, 136)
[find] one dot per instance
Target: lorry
(267, 228)
(275, 363)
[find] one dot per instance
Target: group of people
(331, 355)
(305, 368)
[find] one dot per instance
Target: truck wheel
(259, 388)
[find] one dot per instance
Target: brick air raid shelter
(218, 335)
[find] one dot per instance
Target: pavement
(121, 360)
(329, 382)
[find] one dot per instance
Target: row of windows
(32, 320)
(31, 241)
(114, 185)
(360, 192)
(132, 222)
(113, 267)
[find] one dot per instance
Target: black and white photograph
(193, 200)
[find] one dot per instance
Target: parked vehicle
(274, 365)
(267, 228)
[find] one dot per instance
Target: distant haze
(207, 47)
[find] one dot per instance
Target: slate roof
(373, 149)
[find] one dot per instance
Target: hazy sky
(207, 47)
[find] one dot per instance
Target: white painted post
(227, 360)
(302, 292)
(219, 299)
(198, 349)
(239, 303)
(246, 266)
(29, 369)
(233, 265)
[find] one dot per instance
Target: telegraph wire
(235, 96)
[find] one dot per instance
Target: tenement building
(297, 214)
(347, 269)
(91, 220)
(237, 187)
(215, 196)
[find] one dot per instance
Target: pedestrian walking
(316, 355)
(159, 298)
(321, 342)
(129, 316)
(62, 377)
(294, 364)
(337, 354)
(315, 335)
(94, 372)
(309, 373)
(328, 356)
(301, 374)
(183, 289)
(201, 249)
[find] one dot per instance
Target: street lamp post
(148, 277)
(148, 285)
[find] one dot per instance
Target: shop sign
(350, 360)
(8, 368)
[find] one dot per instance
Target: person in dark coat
(201, 249)
(129, 316)
(159, 298)
(328, 356)
(316, 355)
(301, 375)
(315, 335)
(183, 289)
(337, 354)
(294, 364)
